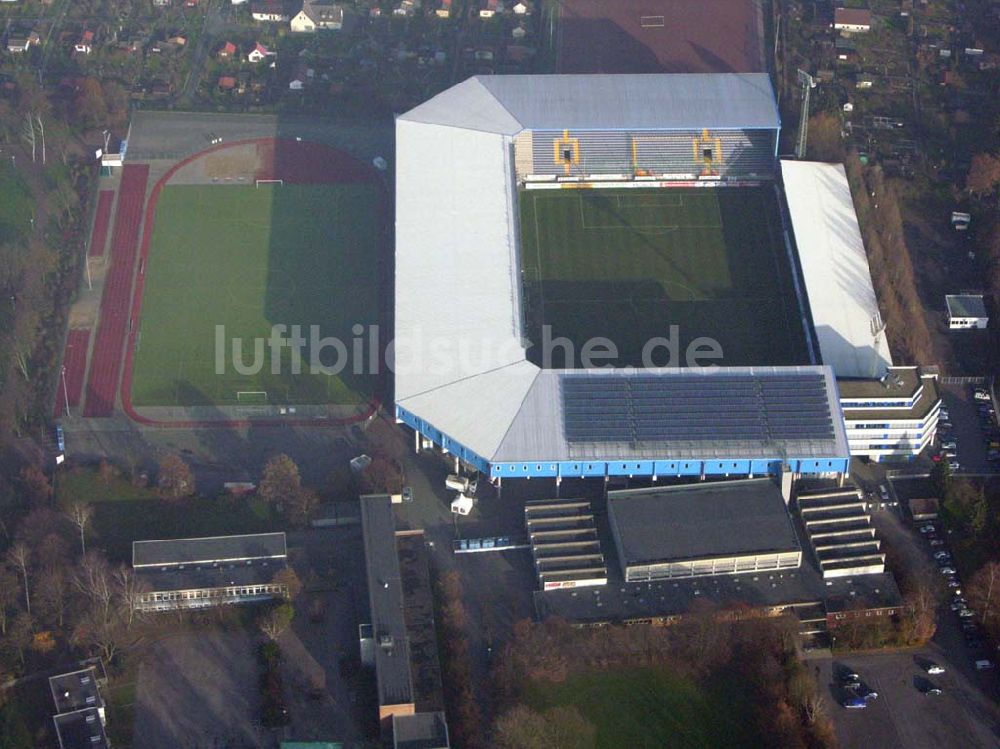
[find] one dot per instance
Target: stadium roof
(717, 519)
(835, 268)
(508, 104)
(459, 354)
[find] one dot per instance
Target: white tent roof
(838, 281)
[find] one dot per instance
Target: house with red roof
(259, 53)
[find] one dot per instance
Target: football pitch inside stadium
(626, 264)
(250, 258)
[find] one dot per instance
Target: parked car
(883, 492)
(407, 494)
(931, 691)
(981, 395)
(983, 665)
(934, 669)
(949, 445)
(966, 613)
(937, 542)
(954, 466)
(955, 584)
(949, 571)
(942, 555)
(854, 703)
(927, 528)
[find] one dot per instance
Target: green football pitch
(249, 259)
(627, 264)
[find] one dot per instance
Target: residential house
(227, 51)
(272, 11)
(491, 8)
(405, 8)
(85, 44)
(318, 14)
(227, 83)
(855, 20)
(80, 718)
(302, 76)
(444, 11)
(161, 3)
(19, 44)
(521, 9)
(259, 53)
(177, 40)
(966, 312)
(518, 32)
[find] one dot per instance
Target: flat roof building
(966, 312)
(81, 729)
(420, 731)
(80, 718)
(721, 528)
(199, 572)
(892, 418)
(407, 673)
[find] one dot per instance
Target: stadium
(544, 221)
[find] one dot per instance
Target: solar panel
(660, 408)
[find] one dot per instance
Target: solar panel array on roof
(650, 408)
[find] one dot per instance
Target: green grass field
(651, 708)
(626, 264)
(250, 258)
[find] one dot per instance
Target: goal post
(255, 397)
(259, 182)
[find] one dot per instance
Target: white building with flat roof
(966, 312)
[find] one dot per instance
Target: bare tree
(99, 633)
(93, 579)
(983, 592)
(276, 619)
(41, 130)
(19, 556)
(301, 505)
(52, 594)
(29, 132)
(80, 514)
(130, 591)
(9, 593)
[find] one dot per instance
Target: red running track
(99, 236)
(75, 364)
(105, 366)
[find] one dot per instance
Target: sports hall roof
(459, 354)
(838, 281)
(690, 101)
(715, 519)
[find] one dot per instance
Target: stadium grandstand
(676, 223)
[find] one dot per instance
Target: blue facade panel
(758, 467)
(631, 468)
(727, 467)
(581, 470)
(593, 469)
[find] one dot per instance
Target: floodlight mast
(808, 83)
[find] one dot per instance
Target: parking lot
(967, 430)
(903, 716)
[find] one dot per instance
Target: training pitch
(628, 263)
(249, 258)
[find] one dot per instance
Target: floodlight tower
(808, 83)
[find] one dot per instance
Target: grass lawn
(17, 207)
(124, 513)
(248, 259)
(626, 264)
(651, 708)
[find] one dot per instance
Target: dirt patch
(199, 690)
(660, 36)
(234, 164)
